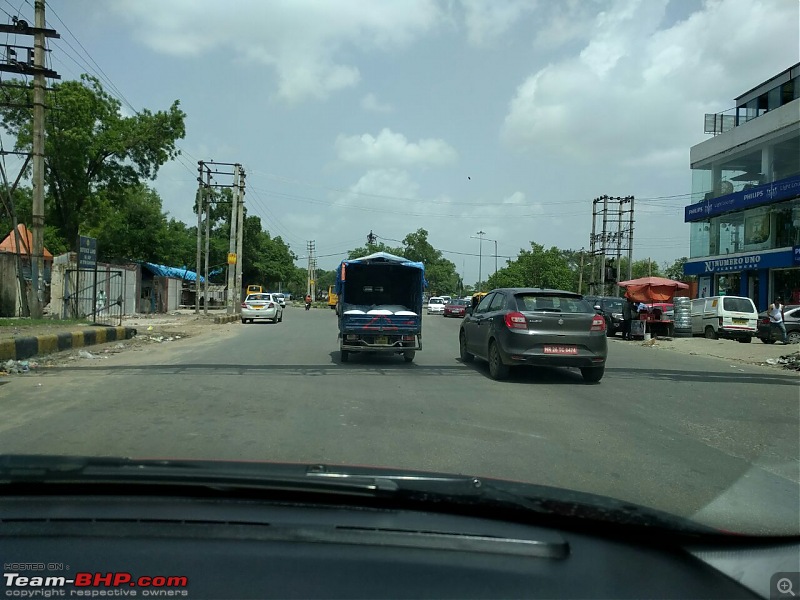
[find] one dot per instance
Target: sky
(458, 116)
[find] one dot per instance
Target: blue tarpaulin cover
(174, 272)
(378, 257)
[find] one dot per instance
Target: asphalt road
(691, 435)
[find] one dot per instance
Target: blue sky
(457, 116)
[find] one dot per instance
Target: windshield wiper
(399, 488)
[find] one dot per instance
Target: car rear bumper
(593, 354)
(730, 333)
(266, 313)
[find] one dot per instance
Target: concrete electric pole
(239, 236)
(37, 256)
(232, 245)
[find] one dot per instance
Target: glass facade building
(745, 213)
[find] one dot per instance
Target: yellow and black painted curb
(226, 319)
(26, 347)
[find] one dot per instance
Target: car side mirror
(597, 308)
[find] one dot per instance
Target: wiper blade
(36, 469)
(401, 488)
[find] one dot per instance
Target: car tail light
(408, 338)
(244, 304)
(598, 324)
(765, 321)
(516, 320)
(720, 321)
(271, 305)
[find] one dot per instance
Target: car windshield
(527, 159)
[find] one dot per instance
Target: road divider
(26, 347)
(226, 319)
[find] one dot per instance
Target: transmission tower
(614, 215)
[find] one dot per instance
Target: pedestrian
(775, 313)
(627, 317)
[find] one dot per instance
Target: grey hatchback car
(532, 326)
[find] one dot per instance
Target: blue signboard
(742, 262)
(784, 189)
(87, 253)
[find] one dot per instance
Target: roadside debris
(11, 367)
(86, 354)
(650, 343)
(787, 361)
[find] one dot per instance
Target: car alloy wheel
(497, 370)
(462, 344)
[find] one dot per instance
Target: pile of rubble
(787, 361)
(12, 367)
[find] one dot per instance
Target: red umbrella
(652, 289)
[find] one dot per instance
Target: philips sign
(784, 189)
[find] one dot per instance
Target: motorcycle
(308, 305)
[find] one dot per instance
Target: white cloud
(370, 102)
(380, 188)
(304, 41)
(393, 149)
(636, 94)
(488, 20)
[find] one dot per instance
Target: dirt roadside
(754, 353)
(151, 330)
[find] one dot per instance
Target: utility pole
(630, 240)
(480, 235)
(198, 256)
(232, 245)
(608, 242)
(580, 275)
(37, 256)
(208, 243)
(311, 287)
(239, 237)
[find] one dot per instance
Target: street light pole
(480, 235)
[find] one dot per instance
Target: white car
(261, 306)
(436, 305)
(281, 298)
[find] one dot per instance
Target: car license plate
(257, 306)
(740, 321)
(382, 340)
(560, 349)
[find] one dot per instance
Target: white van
(732, 317)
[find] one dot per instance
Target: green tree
(371, 249)
(537, 267)
(675, 270)
(440, 272)
(129, 225)
(91, 146)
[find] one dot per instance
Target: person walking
(775, 313)
(627, 317)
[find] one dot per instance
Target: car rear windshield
(613, 304)
(552, 303)
(436, 301)
(738, 305)
(459, 302)
(258, 297)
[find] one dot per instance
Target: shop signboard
(785, 189)
(741, 262)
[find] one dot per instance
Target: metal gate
(97, 295)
